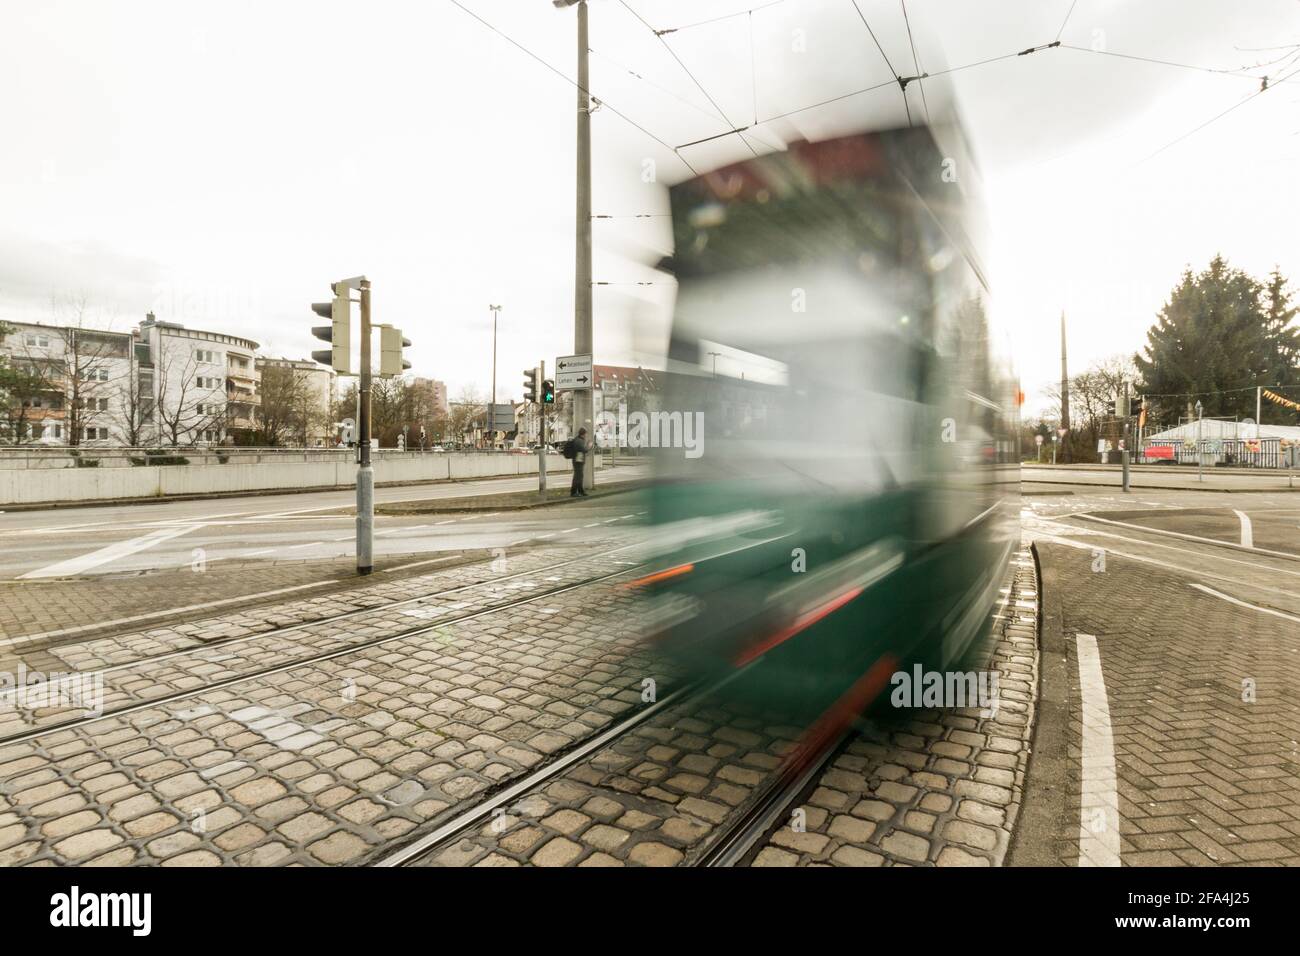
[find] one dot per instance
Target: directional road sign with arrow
(573, 372)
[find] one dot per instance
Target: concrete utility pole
(1065, 400)
(366, 473)
(582, 317)
(492, 413)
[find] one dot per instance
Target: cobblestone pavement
(39, 612)
(328, 763)
(652, 798)
(942, 788)
(168, 661)
(1202, 700)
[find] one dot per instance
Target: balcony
(243, 375)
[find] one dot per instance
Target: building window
(205, 381)
(96, 434)
(207, 356)
(36, 341)
(98, 375)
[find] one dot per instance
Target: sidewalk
(1153, 477)
(43, 612)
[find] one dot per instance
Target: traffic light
(1111, 407)
(391, 343)
(338, 333)
(530, 385)
(1123, 408)
(548, 392)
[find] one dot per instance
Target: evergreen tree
(1284, 357)
(1220, 333)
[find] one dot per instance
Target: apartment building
(71, 384)
(194, 386)
(313, 413)
(436, 395)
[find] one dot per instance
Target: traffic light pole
(365, 473)
(541, 451)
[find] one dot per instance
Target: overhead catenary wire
(719, 19)
(649, 82)
(1068, 14)
(734, 128)
(897, 76)
(1264, 88)
(916, 62)
(1223, 71)
(560, 73)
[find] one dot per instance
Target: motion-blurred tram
(852, 504)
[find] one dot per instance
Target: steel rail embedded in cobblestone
(456, 826)
(825, 737)
(225, 644)
(740, 838)
(303, 661)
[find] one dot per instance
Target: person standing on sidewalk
(580, 449)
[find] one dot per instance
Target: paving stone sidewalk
(1202, 696)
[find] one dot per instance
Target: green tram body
(854, 503)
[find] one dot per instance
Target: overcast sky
(220, 163)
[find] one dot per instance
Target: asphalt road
(76, 542)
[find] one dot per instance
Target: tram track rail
(280, 668)
(280, 631)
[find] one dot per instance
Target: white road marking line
(551, 535)
(121, 549)
(308, 544)
(567, 530)
(415, 527)
(449, 521)
(1099, 799)
(249, 554)
(1190, 572)
(1254, 607)
(1170, 547)
(1247, 533)
(416, 564)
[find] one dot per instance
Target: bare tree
(185, 408)
(466, 411)
(284, 411)
(63, 373)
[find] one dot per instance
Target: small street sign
(503, 417)
(568, 381)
